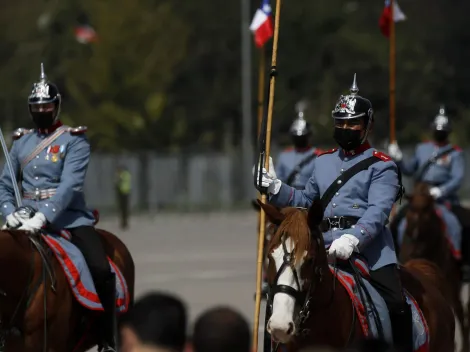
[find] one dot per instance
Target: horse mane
(295, 227)
(421, 189)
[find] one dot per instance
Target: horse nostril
(290, 331)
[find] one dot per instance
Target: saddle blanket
(420, 328)
(452, 229)
(79, 277)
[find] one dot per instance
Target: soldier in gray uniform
(441, 165)
(50, 163)
(295, 164)
(357, 214)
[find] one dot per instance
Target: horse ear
(274, 215)
(255, 205)
(315, 214)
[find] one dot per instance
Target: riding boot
(107, 294)
(402, 329)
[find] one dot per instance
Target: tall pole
(247, 151)
(392, 73)
(261, 77)
(272, 84)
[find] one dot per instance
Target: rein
(30, 290)
(307, 296)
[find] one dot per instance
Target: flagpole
(272, 83)
(392, 63)
(392, 73)
(261, 77)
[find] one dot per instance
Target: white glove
(394, 151)
(343, 246)
(269, 178)
(34, 224)
(435, 192)
(12, 221)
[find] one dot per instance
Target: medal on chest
(52, 153)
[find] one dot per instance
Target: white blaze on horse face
(281, 323)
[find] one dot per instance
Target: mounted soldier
(50, 162)
(295, 164)
(439, 164)
(357, 209)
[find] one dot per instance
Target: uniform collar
(303, 149)
(362, 148)
(50, 129)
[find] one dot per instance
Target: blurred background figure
(221, 329)
(123, 186)
(295, 164)
(156, 323)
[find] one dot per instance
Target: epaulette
(20, 132)
(457, 148)
(288, 149)
(77, 130)
(382, 156)
(318, 151)
(328, 151)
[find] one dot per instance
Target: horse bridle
(297, 295)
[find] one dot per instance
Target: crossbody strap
(41, 146)
(299, 168)
(345, 177)
(431, 161)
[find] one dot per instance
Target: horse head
(297, 262)
(421, 222)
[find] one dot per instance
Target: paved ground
(207, 259)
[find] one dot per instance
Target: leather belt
(338, 222)
(40, 194)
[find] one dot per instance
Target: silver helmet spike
(43, 76)
(300, 108)
(442, 110)
(354, 88)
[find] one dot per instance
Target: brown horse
(425, 238)
(38, 311)
(308, 299)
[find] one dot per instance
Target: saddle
(370, 308)
(76, 271)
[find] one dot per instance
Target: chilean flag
(384, 21)
(85, 34)
(262, 24)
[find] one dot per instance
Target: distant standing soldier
(123, 190)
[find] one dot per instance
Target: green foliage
(166, 75)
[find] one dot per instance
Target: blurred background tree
(164, 75)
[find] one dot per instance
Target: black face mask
(440, 136)
(300, 141)
(347, 139)
(43, 120)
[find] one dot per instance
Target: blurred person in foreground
(221, 329)
(123, 190)
(156, 323)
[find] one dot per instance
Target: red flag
(85, 34)
(384, 21)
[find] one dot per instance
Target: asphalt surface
(206, 259)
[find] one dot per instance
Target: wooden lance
(392, 83)
(392, 74)
(265, 138)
